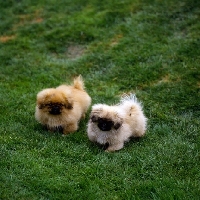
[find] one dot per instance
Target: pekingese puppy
(114, 125)
(62, 108)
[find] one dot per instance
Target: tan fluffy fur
(72, 101)
(128, 120)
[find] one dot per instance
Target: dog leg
(70, 128)
(50, 129)
(115, 147)
(92, 138)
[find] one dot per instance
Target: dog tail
(129, 100)
(78, 83)
(129, 97)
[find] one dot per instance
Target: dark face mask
(105, 125)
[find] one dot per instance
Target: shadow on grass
(98, 148)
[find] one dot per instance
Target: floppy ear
(118, 122)
(42, 97)
(117, 125)
(69, 106)
(68, 103)
(40, 103)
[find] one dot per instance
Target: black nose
(55, 110)
(104, 126)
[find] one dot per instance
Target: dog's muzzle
(55, 110)
(105, 125)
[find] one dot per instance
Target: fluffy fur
(114, 125)
(62, 108)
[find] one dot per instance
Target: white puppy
(114, 125)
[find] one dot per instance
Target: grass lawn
(147, 47)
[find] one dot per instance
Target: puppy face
(106, 119)
(53, 102)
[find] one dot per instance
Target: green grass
(147, 47)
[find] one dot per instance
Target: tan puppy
(62, 108)
(114, 125)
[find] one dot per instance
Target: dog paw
(115, 147)
(109, 151)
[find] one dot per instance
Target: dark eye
(100, 120)
(94, 118)
(117, 125)
(48, 104)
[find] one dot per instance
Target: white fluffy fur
(128, 112)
